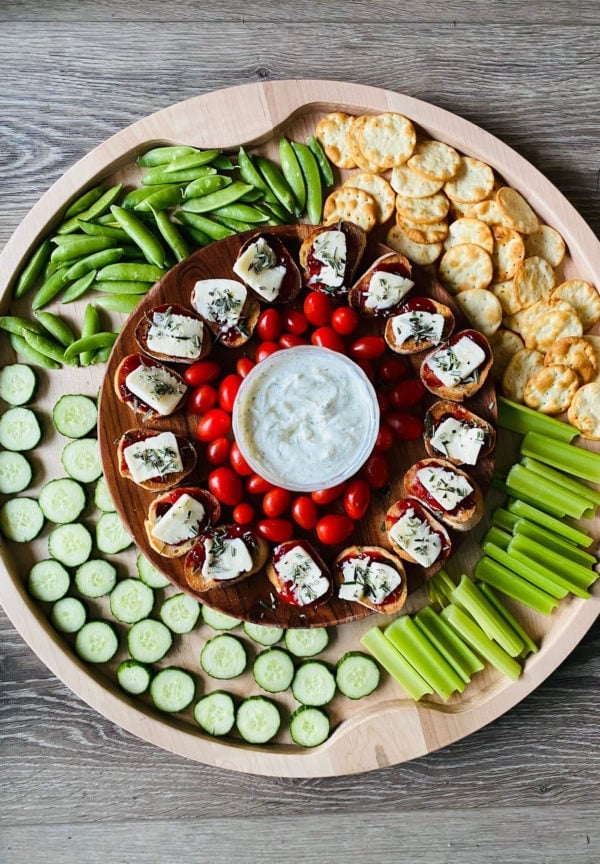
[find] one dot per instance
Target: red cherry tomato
(275, 502)
(326, 496)
(238, 463)
(228, 389)
(202, 372)
(326, 337)
(376, 471)
(275, 530)
(257, 485)
(202, 399)
(393, 369)
(265, 349)
(318, 308)
(213, 424)
(295, 322)
(407, 427)
(334, 528)
(304, 512)
(269, 325)
(345, 320)
(368, 348)
(244, 366)
(384, 440)
(225, 485)
(217, 451)
(357, 498)
(243, 514)
(290, 340)
(407, 393)
(383, 400)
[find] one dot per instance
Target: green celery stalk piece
(566, 457)
(497, 536)
(558, 526)
(551, 496)
(562, 567)
(448, 643)
(495, 574)
(568, 483)
(475, 636)
(394, 663)
(504, 519)
(530, 646)
(557, 544)
(520, 418)
(470, 599)
(529, 571)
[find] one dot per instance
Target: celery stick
(566, 457)
(574, 486)
(561, 566)
(532, 500)
(474, 635)
(537, 575)
(470, 599)
(547, 538)
(404, 634)
(394, 663)
(520, 418)
(530, 646)
(446, 640)
(523, 564)
(560, 527)
(494, 574)
(504, 519)
(550, 495)
(497, 536)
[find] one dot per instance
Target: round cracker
(411, 184)
(353, 147)
(422, 233)
(551, 390)
(486, 211)
(509, 251)
(584, 411)
(576, 353)
(504, 344)
(465, 266)
(387, 139)
(521, 320)
(331, 131)
(473, 181)
(516, 211)
(351, 205)
(426, 210)
(418, 253)
(435, 160)
(545, 329)
(594, 341)
(534, 280)
(379, 188)
(584, 298)
(482, 309)
(522, 365)
(469, 230)
(547, 243)
(506, 294)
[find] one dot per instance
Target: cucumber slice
(180, 613)
(357, 675)
(309, 726)
(133, 677)
(19, 429)
(258, 719)
(62, 500)
(68, 615)
(313, 684)
(215, 713)
(149, 574)
(172, 689)
(262, 634)
(102, 499)
(96, 642)
(48, 581)
(75, 416)
(273, 670)
(15, 473)
(131, 601)
(223, 657)
(95, 578)
(81, 460)
(217, 620)
(111, 536)
(70, 544)
(149, 640)
(306, 643)
(21, 519)
(18, 383)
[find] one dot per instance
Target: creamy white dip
(306, 418)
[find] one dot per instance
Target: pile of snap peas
(118, 243)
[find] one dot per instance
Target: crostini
(155, 460)
(329, 256)
(228, 309)
(299, 574)
(371, 576)
(224, 557)
(172, 333)
(452, 495)
(267, 268)
(418, 325)
(149, 387)
(458, 368)
(380, 291)
(178, 517)
(415, 535)
(456, 434)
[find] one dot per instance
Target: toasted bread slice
(194, 565)
(166, 319)
(395, 599)
(304, 591)
(166, 477)
(265, 265)
(413, 327)
(433, 544)
(463, 515)
(160, 507)
(335, 276)
(228, 308)
(445, 358)
(154, 382)
(445, 410)
(380, 291)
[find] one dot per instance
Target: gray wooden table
(73, 787)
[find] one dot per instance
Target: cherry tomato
(326, 337)
(202, 372)
(244, 366)
(345, 320)
(238, 463)
(407, 393)
(304, 512)
(368, 348)
(295, 322)
(357, 498)
(376, 470)
(290, 340)
(383, 400)
(265, 349)
(228, 389)
(326, 496)
(202, 399)
(275, 502)
(256, 484)
(318, 308)
(407, 427)
(367, 368)
(334, 528)
(225, 485)
(217, 451)
(275, 530)
(269, 325)
(213, 424)
(393, 369)
(243, 513)
(384, 440)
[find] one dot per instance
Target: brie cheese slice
(329, 249)
(416, 537)
(156, 387)
(181, 522)
(458, 440)
(175, 335)
(225, 558)
(365, 579)
(258, 267)
(304, 574)
(445, 487)
(455, 363)
(219, 301)
(386, 289)
(153, 457)
(418, 325)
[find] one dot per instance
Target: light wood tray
(386, 728)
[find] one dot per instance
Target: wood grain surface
(74, 786)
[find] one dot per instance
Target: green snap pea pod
(234, 224)
(89, 326)
(252, 196)
(102, 354)
(162, 200)
(98, 208)
(196, 236)
(136, 196)
(50, 288)
(240, 212)
(171, 235)
(84, 202)
(164, 155)
(277, 211)
(223, 163)
(21, 347)
(207, 226)
(69, 240)
(276, 182)
(131, 273)
(87, 344)
(124, 303)
(249, 172)
(81, 247)
(314, 190)
(293, 174)
(106, 219)
(95, 230)
(191, 160)
(56, 327)
(29, 274)
(205, 185)
(122, 287)
(94, 262)
(78, 288)
(325, 169)
(216, 199)
(16, 324)
(160, 177)
(46, 346)
(141, 236)
(51, 267)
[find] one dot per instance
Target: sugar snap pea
(87, 344)
(136, 196)
(122, 287)
(127, 272)
(98, 208)
(161, 200)
(223, 163)
(249, 172)
(102, 354)
(89, 326)
(95, 230)
(16, 324)
(141, 236)
(56, 327)
(191, 160)
(196, 236)
(234, 224)
(84, 202)
(160, 177)
(93, 262)
(293, 174)
(276, 182)
(275, 209)
(207, 226)
(49, 289)
(216, 199)
(80, 248)
(205, 185)
(29, 274)
(124, 303)
(77, 289)
(164, 155)
(21, 347)
(325, 169)
(252, 196)
(46, 346)
(171, 235)
(241, 212)
(314, 190)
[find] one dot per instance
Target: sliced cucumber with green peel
(62, 500)
(15, 472)
(131, 601)
(95, 578)
(223, 657)
(21, 519)
(313, 684)
(309, 726)
(149, 574)
(70, 544)
(273, 670)
(111, 536)
(96, 642)
(18, 383)
(68, 615)
(357, 675)
(180, 613)
(306, 643)
(102, 498)
(133, 677)
(262, 634)
(48, 581)
(215, 713)
(75, 416)
(258, 720)
(149, 640)
(172, 689)
(81, 460)
(218, 620)
(19, 429)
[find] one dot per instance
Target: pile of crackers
(453, 213)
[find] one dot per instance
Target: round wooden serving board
(387, 727)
